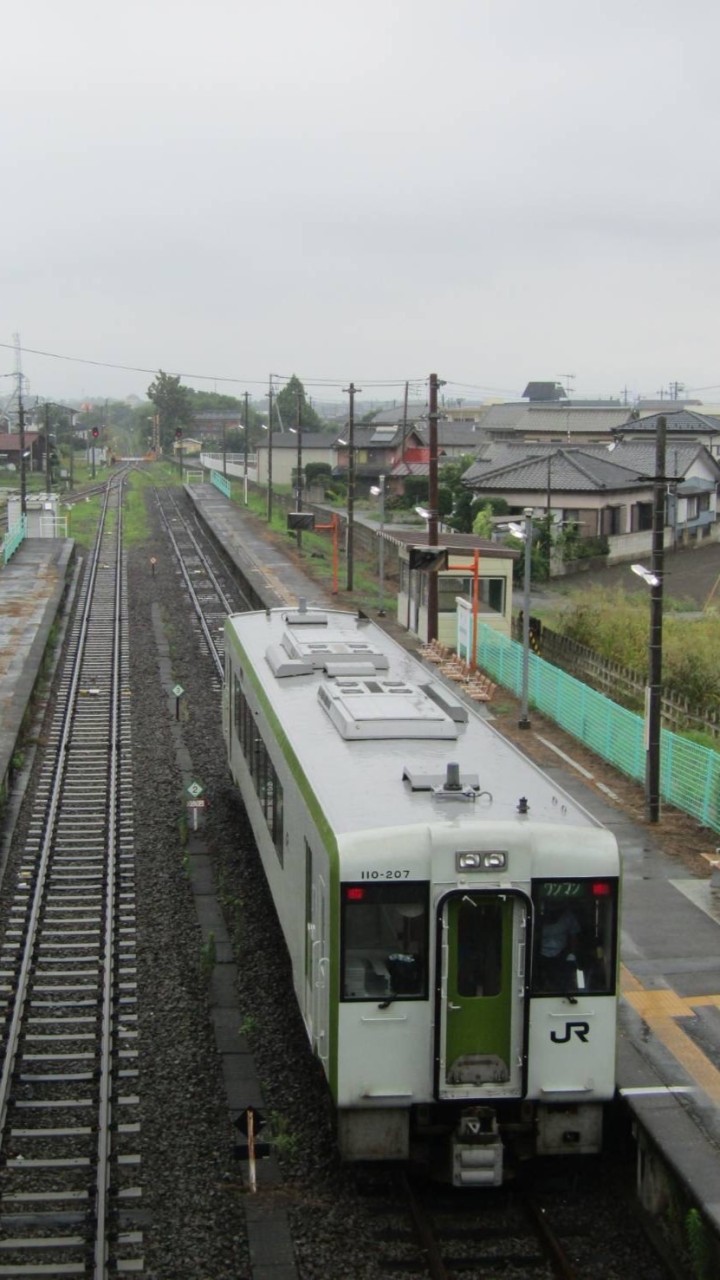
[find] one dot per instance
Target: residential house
(390, 449)
(212, 424)
(682, 425)
(10, 450)
(604, 493)
(289, 448)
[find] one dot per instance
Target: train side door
(316, 957)
(481, 994)
(310, 940)
(321, 967)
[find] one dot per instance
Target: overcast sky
(493, 190)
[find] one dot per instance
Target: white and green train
(451, 916)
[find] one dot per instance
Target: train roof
(381, 740)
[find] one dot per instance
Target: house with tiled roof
(603, 493)
(682, 424)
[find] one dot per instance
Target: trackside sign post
(195, 803)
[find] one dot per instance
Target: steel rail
(22, 986)
(67, 765)
(198, 548)
(104, 1118)
(214, 651)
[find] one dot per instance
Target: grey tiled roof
(623, 465)
(457, 434)
(416, 409)
(685, 420)
(563, 470)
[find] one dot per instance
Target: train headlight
(476, 860)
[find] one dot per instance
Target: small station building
(469, 560)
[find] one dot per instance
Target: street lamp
(351, 391)
(297, 430)
(270, 449)
(23, 477)
(525, 532)
(378, 491)
(246, 427)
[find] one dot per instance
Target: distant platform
(32, 587)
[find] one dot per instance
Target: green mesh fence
(689, 773)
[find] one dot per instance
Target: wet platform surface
(32, 587)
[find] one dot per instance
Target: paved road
(690, 575)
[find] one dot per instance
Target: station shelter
(469, 560)
(41, 510)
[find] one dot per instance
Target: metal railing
(689, 773)
(13, 539)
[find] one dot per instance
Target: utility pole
(432, 527)
(404, 421)
(48, 472)
(269, 463)
(298, 487)
(247, 428)
(72, 447)
(21, 425)
(351, 391)
(654, 711)
(224, 448)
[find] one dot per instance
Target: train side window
(574, 936)
(385, 941)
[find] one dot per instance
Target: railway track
(212, 590)
(69, 1161)
(424, 1230)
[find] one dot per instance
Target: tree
(172, 403)
(482, 524)
(286, 408)
(457, 503)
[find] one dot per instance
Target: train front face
(478, 1000)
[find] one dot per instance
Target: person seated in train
(559, 939)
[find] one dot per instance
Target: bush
(317, 472)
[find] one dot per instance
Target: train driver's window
(384, 941)
(574, 936)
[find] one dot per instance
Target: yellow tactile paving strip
(660, 1010)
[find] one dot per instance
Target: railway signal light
(95, 433)
(178, 433)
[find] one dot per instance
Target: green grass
(83, 518)
(616, 625)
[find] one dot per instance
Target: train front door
(481, 993)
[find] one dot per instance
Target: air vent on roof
(445, 699)
(282, 665)
(333, 648)
(375, 708)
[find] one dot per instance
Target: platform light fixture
(378, 491)
(647, 575)
(525, 532)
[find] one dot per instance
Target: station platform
(32, 587)
(669, 1019)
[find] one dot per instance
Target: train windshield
(385, 941)
(574, 936)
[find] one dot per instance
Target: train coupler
(477, 1150)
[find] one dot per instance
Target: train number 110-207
(384, 875)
